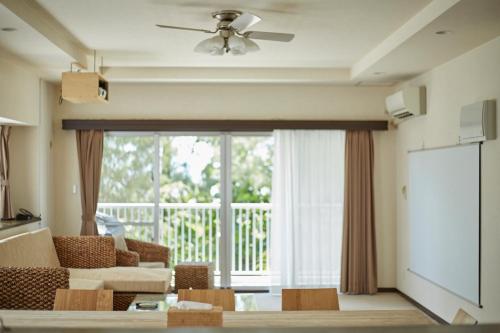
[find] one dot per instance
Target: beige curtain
(89, 144)
(6, 211)
(359, 258)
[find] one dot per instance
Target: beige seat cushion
(152, 264)
(86, 284)
(127, 279)
(30, 249)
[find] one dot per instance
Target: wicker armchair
(96, 252)
(149, 252)
(20, 287)
(100, 252)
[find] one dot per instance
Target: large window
(206, 196)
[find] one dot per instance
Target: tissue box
(194, 318)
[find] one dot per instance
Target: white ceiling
(329, 33)
(29, 44)
(350, 42)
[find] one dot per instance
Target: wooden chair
(310, 299)
(217, 297)
(195, 318)
(463, 318)
(83, 300)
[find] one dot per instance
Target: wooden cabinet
(80, 87)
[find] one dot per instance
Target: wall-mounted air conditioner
(406, 103)
(478, 122)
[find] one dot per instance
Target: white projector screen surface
(444, 210)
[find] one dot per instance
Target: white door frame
(225, 211)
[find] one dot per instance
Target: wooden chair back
(83, 300)
(217, 297)
(463, 318)
(310, 299)
(195, 318)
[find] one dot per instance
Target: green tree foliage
(252, 168)
(127, 169)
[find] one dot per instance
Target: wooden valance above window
(153, 125)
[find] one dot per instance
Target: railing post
(254, 250)
(240, 240)
(156, 186)
(203, 234)
(261, 239)
(217, 238)
(233, 238)
(176, 233)
(247, 240)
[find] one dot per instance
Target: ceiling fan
(232, 37)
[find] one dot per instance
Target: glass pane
(251, 209)
(190, 197)
(127, 190)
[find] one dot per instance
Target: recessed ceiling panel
(328, 33)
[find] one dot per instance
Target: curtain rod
(145, 125)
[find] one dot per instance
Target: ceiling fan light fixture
(233, 36)
(250, 45)
(213, 46)
(236, 45)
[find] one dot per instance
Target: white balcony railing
(192, 231)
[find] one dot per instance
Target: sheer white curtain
(308, 197)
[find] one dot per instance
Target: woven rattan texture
(31, 288)
(121, 301)
(85, 251)
(127, 258)
(149, 252)
(193, 276)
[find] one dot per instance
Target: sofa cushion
(86, 284)
(127, 279)
(152, 264)
(30, 249)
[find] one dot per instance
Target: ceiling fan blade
(244, 21)
(274, 36)
(183, 28)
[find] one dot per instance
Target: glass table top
(244, 302)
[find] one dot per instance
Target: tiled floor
(380, 301)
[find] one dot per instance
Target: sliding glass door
(205, 196)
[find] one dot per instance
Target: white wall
(469, 78)
(32, 161)
(19, 91)
(26, 98)
(48, 103)
(211, 101)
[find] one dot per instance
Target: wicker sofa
(34, 264)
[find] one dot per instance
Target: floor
(380, 301)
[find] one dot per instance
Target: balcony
(192, 232)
